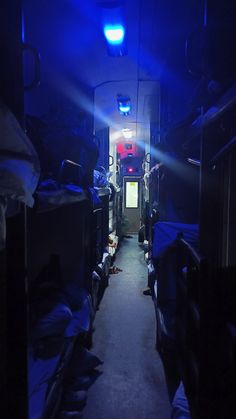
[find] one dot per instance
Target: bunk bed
(68, 274)
(194, 288)
(107, 221)
(59, 272)
(169, 261)
(57, 250)
(215, 290)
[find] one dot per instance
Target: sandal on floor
(114, 270)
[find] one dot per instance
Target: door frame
(135, 210)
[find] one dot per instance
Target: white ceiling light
(127, 133)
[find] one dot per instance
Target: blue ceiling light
(114, 34)
(124, 105)
(113, 26)
(125, 109)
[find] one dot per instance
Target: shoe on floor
(114, 270)
(147, 291)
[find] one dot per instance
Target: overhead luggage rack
(216, 111)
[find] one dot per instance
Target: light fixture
(124, 105)
(113, 26)
(114, 34)
(127, 133)
(124, 109)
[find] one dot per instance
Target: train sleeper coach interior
(117, 209)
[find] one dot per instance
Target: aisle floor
(132, 384)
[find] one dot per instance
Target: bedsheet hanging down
(17, 179)
(19, 167)
(19, 163)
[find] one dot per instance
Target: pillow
(53, 323)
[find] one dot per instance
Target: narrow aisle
(132, 385)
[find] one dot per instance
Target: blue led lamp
(112, 19)
(115, 39)
(114, 34)
(124, 109)
(124, 105)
